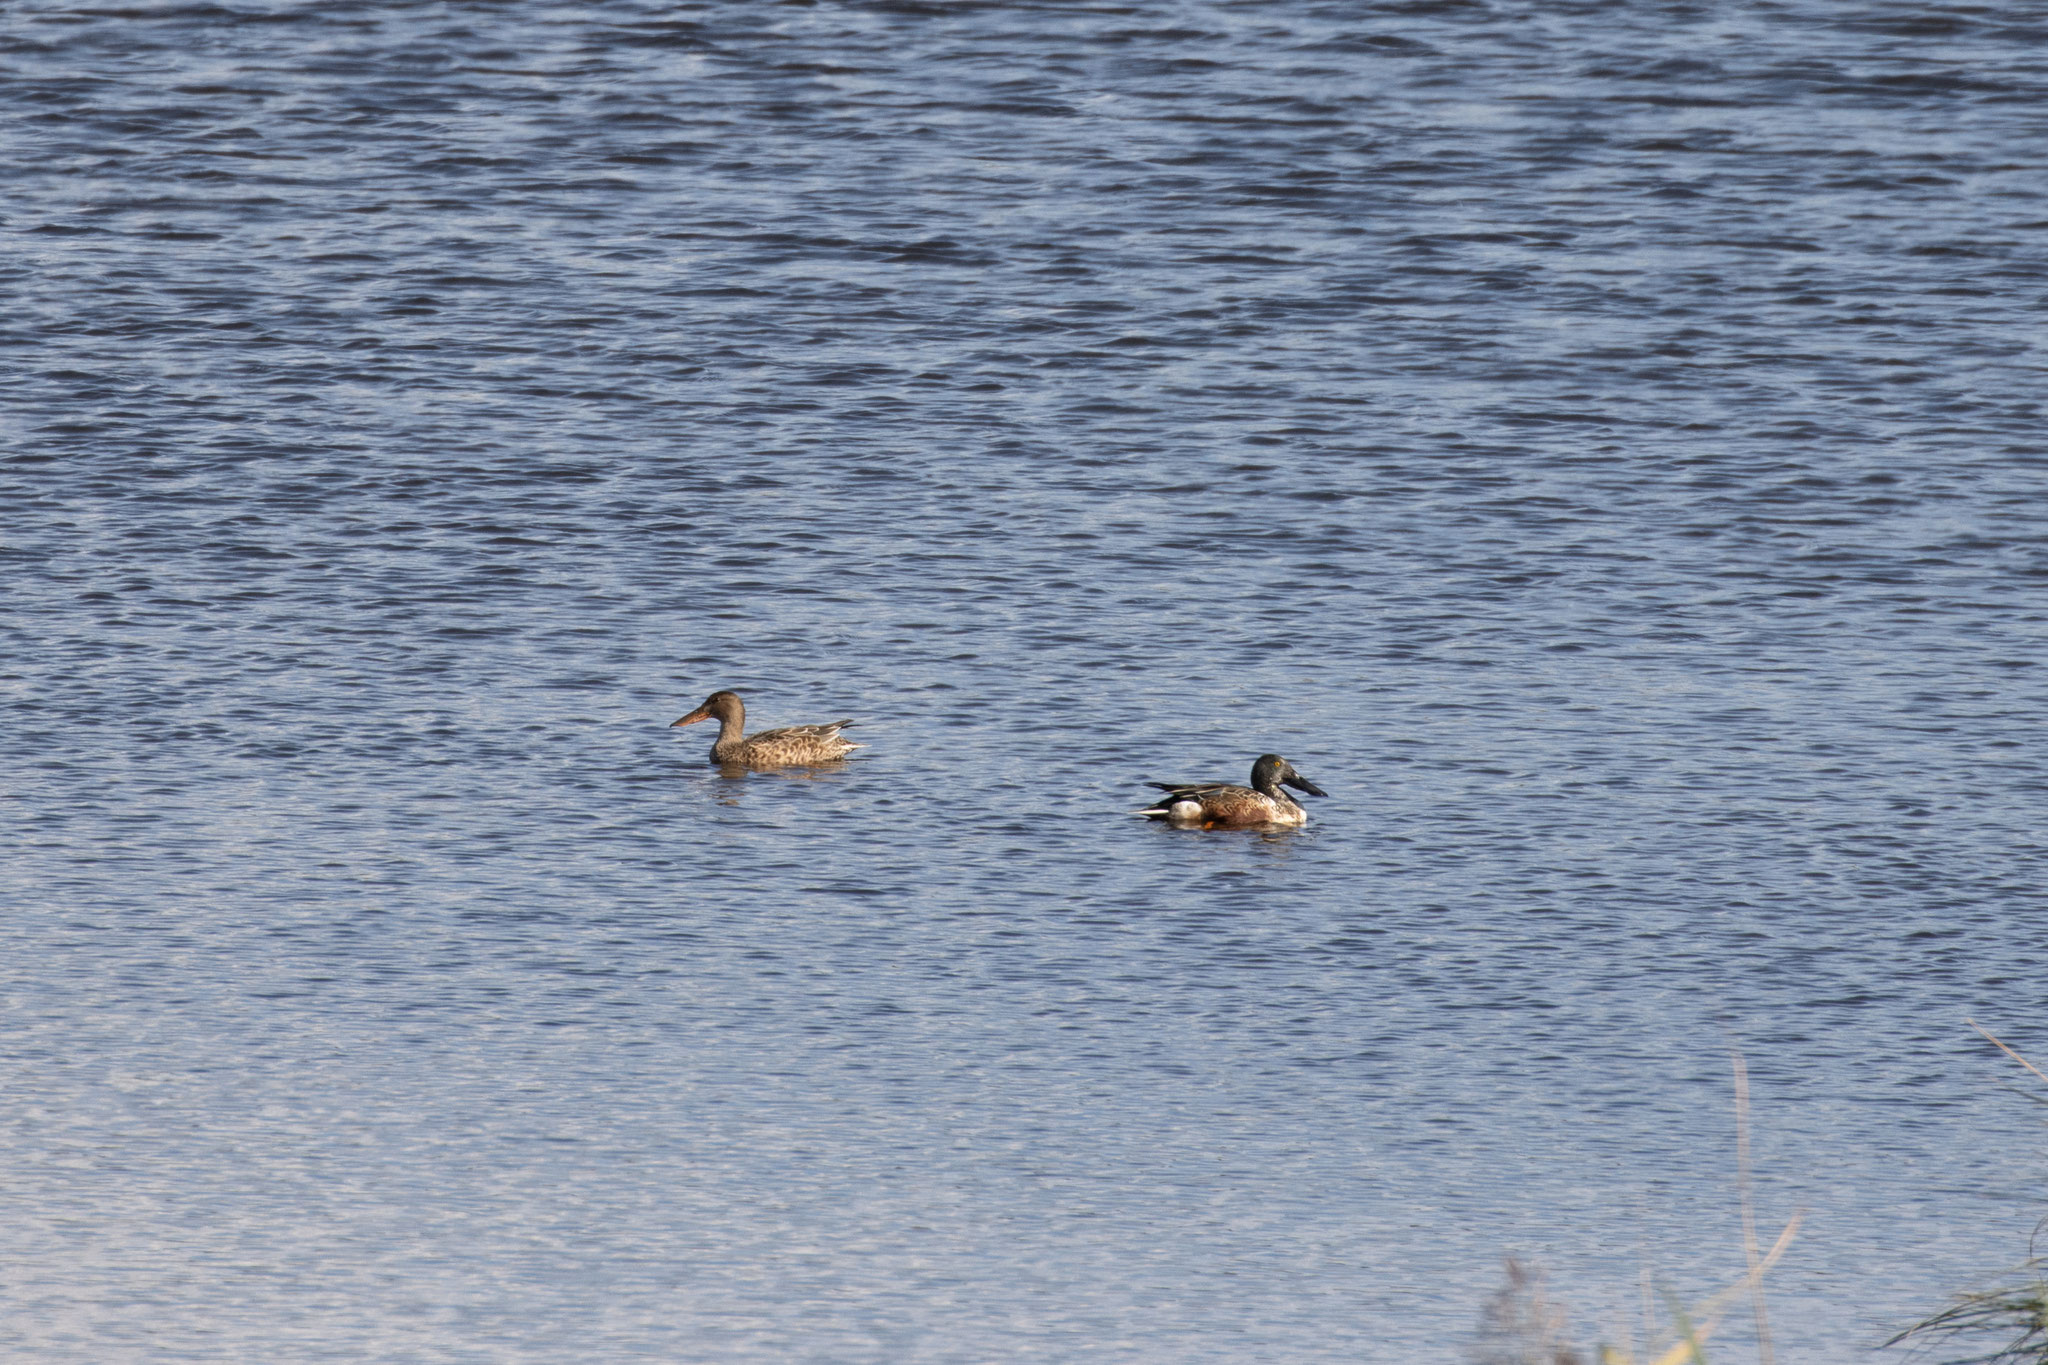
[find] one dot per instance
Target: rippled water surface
(1600, 444)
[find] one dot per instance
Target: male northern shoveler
(1206, 805)
(785, 748)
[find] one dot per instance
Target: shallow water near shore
(1599, 445)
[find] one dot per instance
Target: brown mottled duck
(784, 748)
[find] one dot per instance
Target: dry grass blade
(1717, 1305)
(2006, 1050)
(1764, 1353)
(1521, 1327)
(2020, 1313)
(1691, 1346)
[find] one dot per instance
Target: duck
(784, 748)
(1208, 805)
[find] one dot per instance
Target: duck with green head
(1209, 805)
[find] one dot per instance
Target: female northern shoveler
(1206, 805)
(783, 748)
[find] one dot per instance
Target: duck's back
(1222, 803)
(791, 745)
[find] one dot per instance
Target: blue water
(1600, 444)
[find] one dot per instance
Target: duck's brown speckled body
(789, 747)
(1206, 805)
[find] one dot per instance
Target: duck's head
(719, 704)
(1272, 769)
